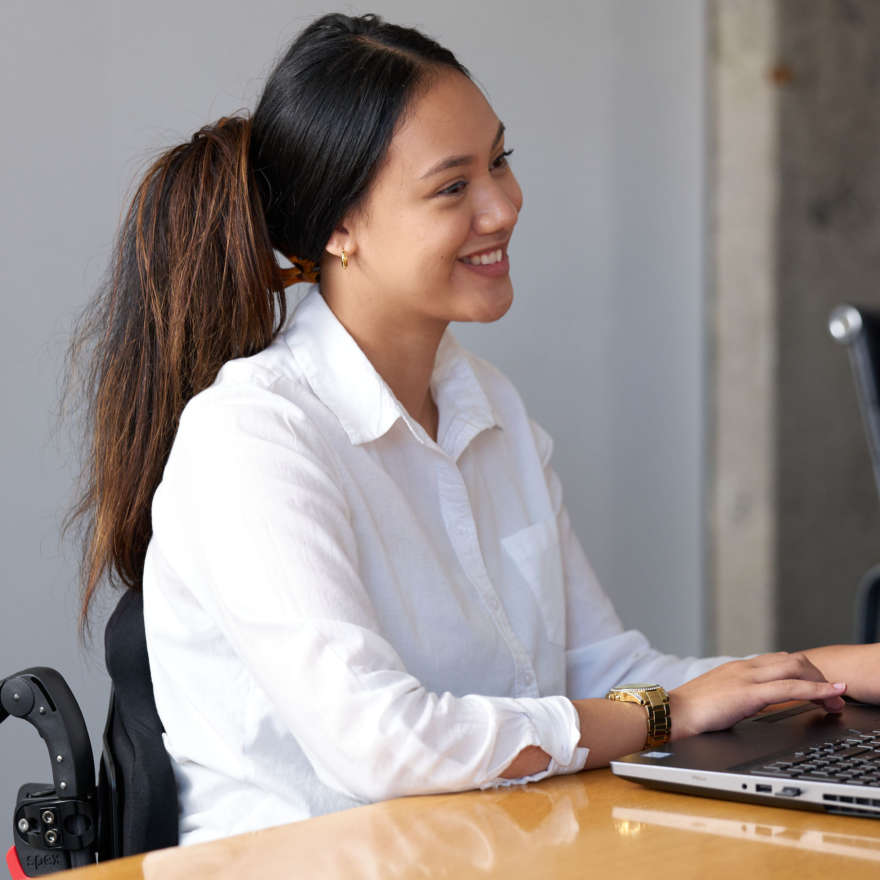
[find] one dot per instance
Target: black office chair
(134, 807)
(859, 330)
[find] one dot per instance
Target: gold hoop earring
(344, 259)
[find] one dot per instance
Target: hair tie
(299, 270)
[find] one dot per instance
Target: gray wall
(603, 102)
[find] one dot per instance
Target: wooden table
(588, 825)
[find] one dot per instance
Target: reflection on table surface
(630, 821)
(575, 826)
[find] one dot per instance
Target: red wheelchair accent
(14, 865)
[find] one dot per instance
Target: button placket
(462, 530)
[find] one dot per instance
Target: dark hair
(194, 281)
(326, 118)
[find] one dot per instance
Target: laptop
(798, 757)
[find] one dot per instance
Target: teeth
(484, 259)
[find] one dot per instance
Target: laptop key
(852, 752)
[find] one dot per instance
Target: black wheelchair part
(55, 826)
(134, 807)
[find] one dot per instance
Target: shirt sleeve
(252, 516)
(600, 653)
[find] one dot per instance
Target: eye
(500, 161)
(453, 189)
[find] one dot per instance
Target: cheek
(440, 243)
(429, 245)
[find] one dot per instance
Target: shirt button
(528, 678)
(493, 603)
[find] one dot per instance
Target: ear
(341, 239)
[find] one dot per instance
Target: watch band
(656, 702)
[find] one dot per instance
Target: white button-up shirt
(340, 610)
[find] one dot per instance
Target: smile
(486, 259)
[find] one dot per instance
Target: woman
(359, 577)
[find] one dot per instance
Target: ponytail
(193, 283)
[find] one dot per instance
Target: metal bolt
(51, 837)
(59, 758)
(845, 322)
(62, 785)
(42, 710)
(16, 696)
(24, 826)
(48, 817)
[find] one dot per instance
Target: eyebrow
(456, 161)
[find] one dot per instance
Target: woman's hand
(857, 665)
(733, 691)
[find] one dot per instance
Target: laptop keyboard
(851, 759)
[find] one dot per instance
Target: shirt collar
(465, 409)
(346, 382)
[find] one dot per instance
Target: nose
(498, 205)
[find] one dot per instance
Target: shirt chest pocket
(535, 552)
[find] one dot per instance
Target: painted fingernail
(839, 685)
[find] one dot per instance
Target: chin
(489, 306)
(498, 308)
(496, 314)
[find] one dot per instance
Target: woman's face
(429, 243)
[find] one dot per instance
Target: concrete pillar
(742, 330)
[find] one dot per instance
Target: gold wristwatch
(656, 703)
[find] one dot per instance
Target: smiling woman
(428, 244)
(360, 580)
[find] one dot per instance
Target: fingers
(833, 704)
(782, 665)
(774, 668)
(826, 693)
(730, 692)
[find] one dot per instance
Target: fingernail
(839, 685)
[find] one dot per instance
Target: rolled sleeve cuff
(556, 730)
